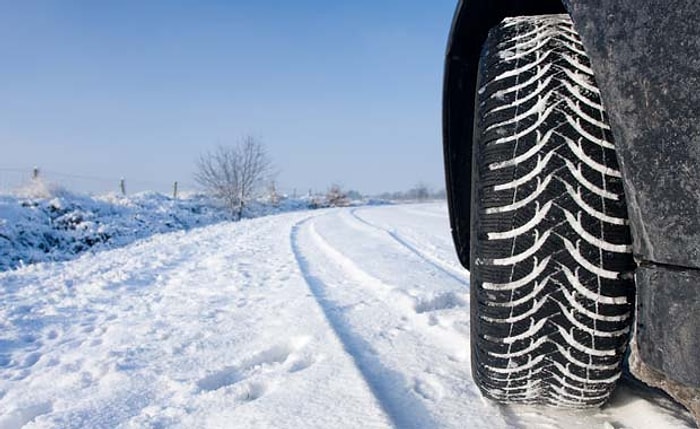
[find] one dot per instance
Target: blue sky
(339, 92)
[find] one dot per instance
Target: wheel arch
(645, 57)
(472, 21)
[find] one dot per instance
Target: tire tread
(551, 289)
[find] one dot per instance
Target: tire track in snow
(402, 410)
(417, 371)
(433, 261)
(424, 299)
(407, 305)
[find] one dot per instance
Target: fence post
(175, 190)
(122, 186)
(35, 173)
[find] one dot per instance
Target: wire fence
(14, 180)
(17, 180)
(23, 180)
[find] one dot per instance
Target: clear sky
(344, 92)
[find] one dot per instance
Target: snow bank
(61, 226)
(42, 223)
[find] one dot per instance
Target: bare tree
(234, 173)
(336, 197)
(420, 192)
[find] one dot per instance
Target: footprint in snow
(20, 375)
(31, 359)
(277, 358)
(5, 361)
(19, 417)
(300, 364)
(443, 301)
(222, 378)
(429, 387)
(280, 357)
(252, 391)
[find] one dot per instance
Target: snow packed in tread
(551, 233)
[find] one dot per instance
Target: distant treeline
(417, 193)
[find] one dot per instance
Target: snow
(46, 223)
(333, 318)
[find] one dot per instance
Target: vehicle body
(646, 59)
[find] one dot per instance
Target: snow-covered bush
(41, 223)
(45, 225)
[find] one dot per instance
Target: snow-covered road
(342, 318)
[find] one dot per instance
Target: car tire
(551, 261)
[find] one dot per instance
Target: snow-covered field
(338, 318)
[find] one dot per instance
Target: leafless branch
(234, 173)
